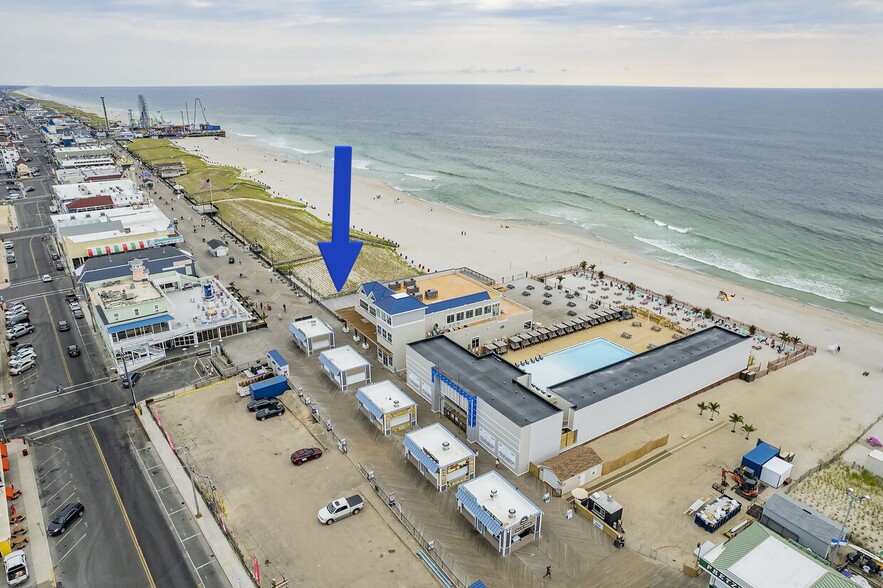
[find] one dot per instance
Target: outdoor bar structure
(440, 456)
(345, 367)
(312, 334)
(387, 406)
(502, 514)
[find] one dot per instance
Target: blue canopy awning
(298, 334)
(372, 408)
(329, 365)
(417, 451)
(471, 504)
(154, 320)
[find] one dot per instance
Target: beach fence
(791, 357)
(633, 455)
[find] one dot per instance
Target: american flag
(206, 183)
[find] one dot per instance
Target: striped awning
(417, 451)
(487, 519)
(372, 408)
(329, 365)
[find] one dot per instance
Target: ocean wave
(715, 259)
(678, 229)
(421, 176)
(306, 151)
(660, 223)
(244, 135)
(358, 163)
(877, 310)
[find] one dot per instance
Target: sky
(722, 43)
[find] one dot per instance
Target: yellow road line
(122, 508)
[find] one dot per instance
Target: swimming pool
(574, 361)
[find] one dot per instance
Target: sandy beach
(430, 234)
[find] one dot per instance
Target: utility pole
(853, 497)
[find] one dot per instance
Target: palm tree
(702, 407)
(668, 299)
(784, 336)
(748, 430)
(631, 287)
(707, 313)
(601, 275)
(752, 330)
(736, 419)
(795, 341)
(592, 267)
(583, 264)
(696, 312)
(560, 279)
(713, 407)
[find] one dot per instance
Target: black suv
(65, 517)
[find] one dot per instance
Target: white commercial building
(497, 406)
(499, 512)
(8, 158)
(90, 161)
(312, 334)
(440, 456)
(390, 409)
(345, 367)
(460, 302)
(64, 153)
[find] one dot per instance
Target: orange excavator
(745, 482)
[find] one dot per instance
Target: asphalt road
(85, 438)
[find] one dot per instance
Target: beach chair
(636, 323)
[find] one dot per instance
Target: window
(363, 304)
(478, 311)
(474, 343)
(156, 307)
(527, 324)
(450, 319)
(137, 312)
(470, 313)
(373, 311)
(459, 316)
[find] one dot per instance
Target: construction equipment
(746, 485)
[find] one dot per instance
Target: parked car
(63, 326)
(270, 411)
(302, 456)
(16, 346)
(16, 567)
(341, 508)
(260, 404)
(65, 517)
(131, 380)
(78, 314)
(55, 257)
(19, 330)
(73, 350)
(59, 266)
(21, 354)
(9, 245)
(30, 189)
(20, 367)
(46, 278)
(14, 308)
(16, 318)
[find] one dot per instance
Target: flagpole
(211, 196)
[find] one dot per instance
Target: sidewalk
(224, 554)
(21, 472)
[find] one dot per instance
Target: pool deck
(641, 337)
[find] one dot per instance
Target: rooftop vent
(512, 514)
(446, 445)
(396, 403)
(493, 493)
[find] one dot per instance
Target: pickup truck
(341, 508)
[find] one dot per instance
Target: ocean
(779, 190)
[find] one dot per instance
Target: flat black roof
(601, 384)
(489, 377)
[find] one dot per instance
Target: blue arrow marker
(340, 253)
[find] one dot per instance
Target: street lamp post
(310, 280)
(853, 497)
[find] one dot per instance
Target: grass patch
(374, 263)
(93, 119)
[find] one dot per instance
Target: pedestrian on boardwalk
(548, 573)
(496, 463)
(284, 308)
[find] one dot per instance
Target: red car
(304, 455)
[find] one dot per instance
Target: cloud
(632, 42)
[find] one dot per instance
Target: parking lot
(271, 505)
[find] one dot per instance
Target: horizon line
(13, 87)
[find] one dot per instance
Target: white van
(53, 209)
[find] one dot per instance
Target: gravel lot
(271, 505)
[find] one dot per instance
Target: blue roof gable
(377, 289)
(393, 306)
(455, 302)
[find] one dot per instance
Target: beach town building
(140, 317)
(217, 247)
(91, 161)
(499, 512)
(170, 170)
(794, 520)
(89, 204)
(158, 261)
(312, 334)
(461, 303)
(570, 469)
(89, 174)
(390, 409)
(758, 558)
(22, 169)
(440, 456)
(498, 406)
(77, 152)
(9, 156)
(345, 367)
(83, 235)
